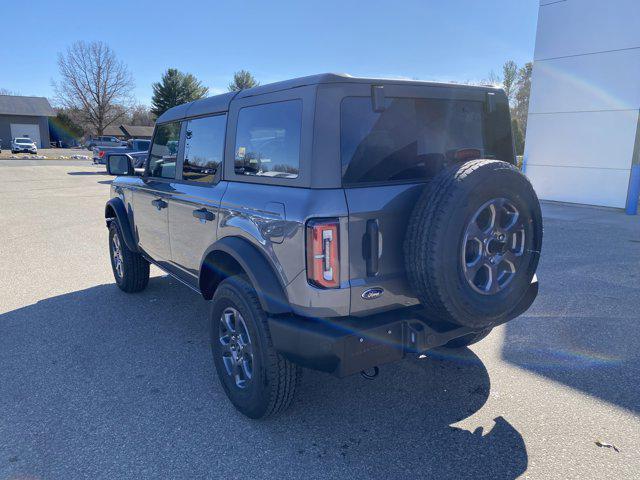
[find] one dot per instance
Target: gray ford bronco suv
(334, 223)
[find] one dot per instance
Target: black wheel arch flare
(115, 210)
(254, 264)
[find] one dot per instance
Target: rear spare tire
(473, 243)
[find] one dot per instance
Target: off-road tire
(435, 236)
(135, 268)
(467, 340)
(275, 380)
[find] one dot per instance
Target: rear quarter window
(268, 140)
(412, 139)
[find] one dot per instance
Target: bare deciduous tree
(95, 84)
(141, 115)
(521, 109)
(509, 79)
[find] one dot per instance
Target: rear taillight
(323, 253)
(101, 153)
(467, 154)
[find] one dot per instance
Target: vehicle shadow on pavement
(87, 173)
(101, 384)
(399, 425)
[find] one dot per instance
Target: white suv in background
(23, 145)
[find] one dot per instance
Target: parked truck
(133, 145)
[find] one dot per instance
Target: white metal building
(583, 141)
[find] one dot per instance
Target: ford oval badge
(372, 293)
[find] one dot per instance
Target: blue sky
(443, 40)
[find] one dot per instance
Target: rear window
(412, 139)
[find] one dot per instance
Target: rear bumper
(344, 346)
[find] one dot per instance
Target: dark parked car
(335, 223)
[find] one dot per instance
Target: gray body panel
(271, 213)
(389, 206)
(188, 235)
(151, 223)
(273, 220)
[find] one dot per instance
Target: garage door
(26, 130)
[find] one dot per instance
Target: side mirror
(119, 164)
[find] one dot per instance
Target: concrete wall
(585, 99)
(5, 128)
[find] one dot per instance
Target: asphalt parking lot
(95, 383)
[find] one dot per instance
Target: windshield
(411, 139)
(24, 140)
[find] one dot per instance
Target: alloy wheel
(237, 349)
(117, 256)
(493, 246)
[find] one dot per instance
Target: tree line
(516, 82)
(95, 91)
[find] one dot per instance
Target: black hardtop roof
(220, 103)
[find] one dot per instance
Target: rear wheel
(130, 269)
(259, 381)
(473, 243)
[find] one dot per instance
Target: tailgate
(378, 218)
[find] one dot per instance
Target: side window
(268, 140)
(203, 148)
(164, 151)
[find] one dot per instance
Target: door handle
(159, 203)
(204, 214)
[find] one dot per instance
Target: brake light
(323, 253)
(467, 154)
(101, 153)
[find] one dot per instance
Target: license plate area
(372, 347)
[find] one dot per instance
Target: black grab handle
(372, 247)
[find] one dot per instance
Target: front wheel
(257, 379)
(130, 269)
